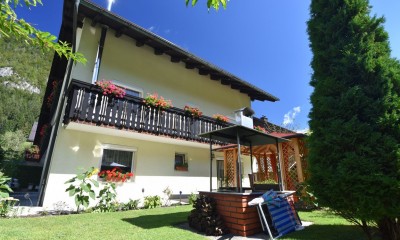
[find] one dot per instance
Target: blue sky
(262, 41)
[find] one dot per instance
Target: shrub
(192, 198)
(132, 204)
(266, 181)
(107, 197)
(152, 202)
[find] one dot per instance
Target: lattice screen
(230, 167)
(262, 167)
(265, 169)
(290, 166)
(303, 157)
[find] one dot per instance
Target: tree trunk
(389, 228)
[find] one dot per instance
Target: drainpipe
(55, 121)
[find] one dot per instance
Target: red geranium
(115, 175)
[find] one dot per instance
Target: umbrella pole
(239, 165)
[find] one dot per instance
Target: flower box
(32, 153)
(115, 175)
(155, 101)
(32, 156)
(181, 168)
(192, 111)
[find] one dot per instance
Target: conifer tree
(355, 116)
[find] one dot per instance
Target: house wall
(139, 68)
(153, 166)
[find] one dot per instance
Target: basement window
(181, 163)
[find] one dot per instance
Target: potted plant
(182, 167)
(32, 153)
(115, 175)
(155, 101)
(192, 111)
(110, 89)
(266, 185)
(220, 118)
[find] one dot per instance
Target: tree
(10, 25)
(210, 3)
(354, 155)
(12, 145)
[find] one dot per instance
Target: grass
(327, 227)
(156, 223)
(159, 223)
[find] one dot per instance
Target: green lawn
(159, 223)
(156, 223)
(326, 227)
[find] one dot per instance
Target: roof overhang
(102, 16)
(288, 135)
(247, 136)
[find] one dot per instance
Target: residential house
(80, 127)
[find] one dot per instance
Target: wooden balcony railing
(87, 103)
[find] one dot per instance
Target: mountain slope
(19, 105)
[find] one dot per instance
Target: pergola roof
(248, 136)
(161, 46)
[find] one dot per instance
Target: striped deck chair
(279, 219)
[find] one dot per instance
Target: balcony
(87, 104)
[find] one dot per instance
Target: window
(117, 157)
(180, 162)
(131, 91)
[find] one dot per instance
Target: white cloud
(167, 31)
(304, 130)
(151, 28)
(289, 117)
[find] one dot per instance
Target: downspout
(55, 121)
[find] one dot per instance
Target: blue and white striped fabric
(282, 216)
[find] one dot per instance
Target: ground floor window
(121, 158)
(181, 163)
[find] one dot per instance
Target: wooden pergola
(283, 161)
(242, 137)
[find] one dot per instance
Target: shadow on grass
(327, 232)
(157, 221)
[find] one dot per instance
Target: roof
(161, 46)
(246, 135)
(287, 135)
(270, 127)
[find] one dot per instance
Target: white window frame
(120, 148)
(129, 87)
